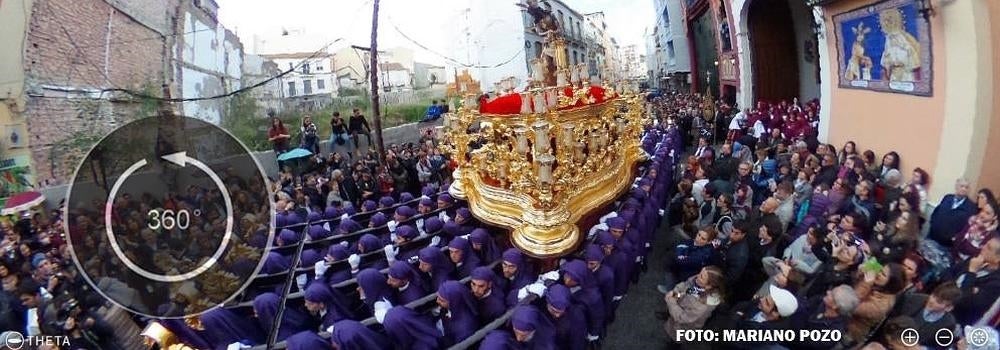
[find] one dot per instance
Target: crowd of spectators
(774, 230)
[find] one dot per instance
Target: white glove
(326, 226)
(435, 241)
(301, 280)
(638, 259)
(329, 329)
(392, 227)
(413, 259)
(237, 346)
(420, 227)
(390, 252)
(661, 212)
(344, 216)
(522, 293)
(617, 297)
(345, 244)
(536, 289)
(320, 268)
(647, 245)
(381, 308)
(440, 326)
(354, 260)
(550, 276)
(608, 216)
(592, 337)
(465, 236)
(562, 262)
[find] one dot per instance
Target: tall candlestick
(520, 134)
(545, 162)
(541, 129)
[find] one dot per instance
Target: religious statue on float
(552, 56)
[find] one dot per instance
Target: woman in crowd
(979, 229)
(877, 292)
(691, 303)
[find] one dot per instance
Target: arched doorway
(773, 45)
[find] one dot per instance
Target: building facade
(669, 66)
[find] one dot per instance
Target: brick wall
(69, 48)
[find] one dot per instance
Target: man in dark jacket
(979, 280)
(726, 165)
(737, 254)
(828, 171)
(952, 214)
(931, 312)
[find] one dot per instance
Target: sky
(315, 23)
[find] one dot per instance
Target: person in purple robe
(460, 253)
(532, 330)
(410, 330)
(317, 232)
(447, 206)
(332, 213)
(603, 275)
(483, 245)
(566, 318)
(292, 219)
(466, 223)
(386, 202)
(224, 327)
(516, 274)
(428, 191)
(307, 341)
(405, 197)
(459, 314)
(314, 217)
(369, 243)
(617, 227)
(426, 205)
(378, 220)
(293, 320)
(449, 231)
(580, 282)
(489, 300)
(434, 226)
(346, 226)
(499, 340)
(327, 304)
(275, 263)
(368, 206)
(287, 237)
(337, 252)
(435, 268)
(374, 287)
(349, 209)
(309, 257)
(403, 213)
(614, 259)
(402, 278)
(352, 335)
(280, 220)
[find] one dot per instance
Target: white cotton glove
(345, 244)
(550, 276)
(237, 346)
(662, 212)
(392, 236)
(617, 297)
(420, 227)
(647, 245)
(390, 252)
(592, 337)
(344, 216)
(435, 241)
(326, 226)
(320, 268)
(608, 216)
(301, 281)
(537, 289)
(522, 293)
(413, 260)
(330, 329)
(465, 236)
(392, 226)
(440, 326)
(638, 259)
(381, 308)
(354, 260)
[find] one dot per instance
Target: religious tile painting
(885, 47)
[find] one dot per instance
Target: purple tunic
(306, 341)
(317, 232)
(373, 284)
(224, 327)
(492, 306)
(617, 261)
(523, 277)
(527, 318)
(468, 261)
(414, 289)
(405, 197)
(567, 325)
(347, 226)
(587, 295)
(499, 340)
(275, 263)
(604, 275)
(461, 319)
(409, 330)
(487, 248)
(352, 335)
(292, 320)
(336, 304)
(441, 267)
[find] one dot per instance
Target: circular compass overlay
(169, 217)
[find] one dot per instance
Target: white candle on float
(578, 152)
(539, 102)
(545, 162)
(552, 98)
(521, 139)
(567, 135)
(526, 101)
(541, 129)
(595, 141)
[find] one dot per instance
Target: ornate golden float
(539, 160)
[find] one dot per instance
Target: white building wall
(492, 33)
(211, 60)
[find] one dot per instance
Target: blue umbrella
(294, 154)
